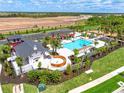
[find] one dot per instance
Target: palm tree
(55, 43)
(6, 49)
(87, 62)
(19, 62)
(46, 40)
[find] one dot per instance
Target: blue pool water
(77, 44)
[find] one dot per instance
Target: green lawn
(101, 67)
(7, 88)
(30, 88)
(106, 87)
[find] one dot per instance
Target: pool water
(77, 44)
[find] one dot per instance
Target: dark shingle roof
(26, 49)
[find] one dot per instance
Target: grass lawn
(30, 88)
(106, 87)
(7, 88)
(100, 67)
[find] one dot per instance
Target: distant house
(28, 50)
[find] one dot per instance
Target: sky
(87, 6)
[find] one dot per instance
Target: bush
(33, 75)
(45, 76)
(55, 76)
(76, 67)
(68, 69)
(43, 79)
(77, 60)
(8, 68)
(39, 65)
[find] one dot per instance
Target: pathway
(97, 81)
(0, 68)
(1, 89)
(18, 88)
(0, 74)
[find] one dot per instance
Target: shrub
(45, 76)
(43, 79)
(55, 76)
(39, 65)
(77, 60)
(76, 67)
(33, 75)
(8, 68)
(68, 69)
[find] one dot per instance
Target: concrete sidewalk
(1, 89)
(0, 68)
(97, 81)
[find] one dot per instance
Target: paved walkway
(18, 88)
(0, 74)
(97, 81)
(1, 89)
(0, 68)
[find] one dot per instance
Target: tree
(8, 68)
(77, 67)
(6, 49)
(2, 36)
(4, 53)
(46, 40)
(76, 52)
(87, 62)
(19, 62)
(55, 43)
(77, 60)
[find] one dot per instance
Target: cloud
(63, 5)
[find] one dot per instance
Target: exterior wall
(34, 59)
(33, 64)
(27, 68)
(16, 68)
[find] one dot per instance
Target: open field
(100, 67)
(10, 24)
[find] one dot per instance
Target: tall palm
(6, 49)
(55, 43)
(19, 62)
(46, 40)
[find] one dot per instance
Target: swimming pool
(77, 44)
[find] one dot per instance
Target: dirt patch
(11, 24)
